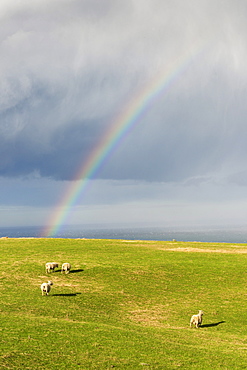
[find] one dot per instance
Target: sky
(70, 68)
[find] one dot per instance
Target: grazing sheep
(66, 268)
(46, 287)
(50, 266)
(196, 319)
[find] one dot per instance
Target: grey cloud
(69, 67)
(238, 178)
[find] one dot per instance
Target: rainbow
(118, 130)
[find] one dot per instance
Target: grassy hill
(125, 305)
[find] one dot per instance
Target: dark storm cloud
(68, 67)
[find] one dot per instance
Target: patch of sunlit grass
(124, 304)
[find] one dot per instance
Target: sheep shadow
(211, 325)
(75, 271)
(71, 271)
(65, 294)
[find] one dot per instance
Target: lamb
(46, 287)
(50, 266)
(66, 267)
(196, 319)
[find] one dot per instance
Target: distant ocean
(225, 235)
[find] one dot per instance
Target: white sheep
(46, 287)
(66, 267)
(50, 266)
(196, 319)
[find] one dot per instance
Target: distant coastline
(224, 235)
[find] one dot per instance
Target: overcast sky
(68, 67)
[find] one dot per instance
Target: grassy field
(125, 305)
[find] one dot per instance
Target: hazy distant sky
(68, 67)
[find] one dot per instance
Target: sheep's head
(50, 282)
(201, 312)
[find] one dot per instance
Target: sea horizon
(235, 234)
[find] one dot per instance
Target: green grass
(126, 305)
